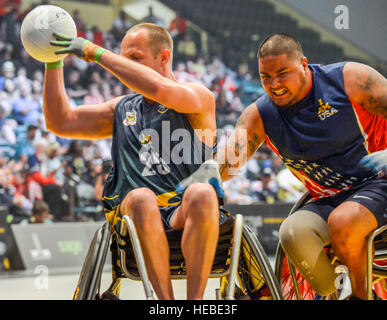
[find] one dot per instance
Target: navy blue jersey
(153, 147)
(322, 138)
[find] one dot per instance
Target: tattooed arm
(365, 86)
(248, 136)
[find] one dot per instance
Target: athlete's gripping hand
(208, 172)
(80, 47)
(376, 161)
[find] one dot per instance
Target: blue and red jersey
(322, 138)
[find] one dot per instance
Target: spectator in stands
(29, 64)
(120, 25)
(104, 147)
(243, 70)
(200, 69)
(21, 77)
(224, 110)
(264, 157)
(36, 92)
(52, 163)
(81, 25)
(6, 194)
(91, 150)
(266, 189)
(40, 214)
(252, 168)
(106, 91)
(93, 95)
(117, 90)
(8, 95)
(42, 184)
(18, 205)
(151, 18)
(10, 27)
(75, 158)
(36, 178)
(7, 126)
(237, 190)
(7, 72)
(25, 108)
(178, 27)
(96, 36)
(186, 49)
(95, 77)
(74, 87)
(25, 147)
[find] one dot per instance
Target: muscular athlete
(328, 124)
(142, 182)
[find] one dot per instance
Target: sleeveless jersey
(152, 147)
(322, 138)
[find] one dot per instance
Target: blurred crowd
(45, 178)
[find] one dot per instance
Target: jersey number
(151, 159)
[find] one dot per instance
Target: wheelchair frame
(242, 236)
(374, 271)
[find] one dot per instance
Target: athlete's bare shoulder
(367, 87)
(205, 95)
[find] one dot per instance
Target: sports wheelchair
(295, 287)
(239, 258)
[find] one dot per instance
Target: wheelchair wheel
(303, 291)
(90, 277)
(256, 277)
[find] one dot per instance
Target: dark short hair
(280, 43)
(32, 127)
(40, 207)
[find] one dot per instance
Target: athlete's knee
(200, 195)
(141, 205)
(137, 198)
(349, 226)
(200, 201)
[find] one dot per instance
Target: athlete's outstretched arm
(131, 68)
(183, 98)
(248, 136)
(367, 87)
(82, 122)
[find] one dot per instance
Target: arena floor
(61, 285)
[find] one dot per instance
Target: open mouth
(279, 92)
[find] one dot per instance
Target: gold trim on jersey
(163, 199)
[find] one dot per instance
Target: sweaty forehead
(275, 63)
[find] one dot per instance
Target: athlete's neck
(308, 84)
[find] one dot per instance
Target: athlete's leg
(141, 205)
(303, 236)
(198, 215)
(350, 224)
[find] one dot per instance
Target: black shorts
(167, 215)
(372, 194)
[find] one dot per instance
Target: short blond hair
(158, 37)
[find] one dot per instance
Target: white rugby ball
(37, 30)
